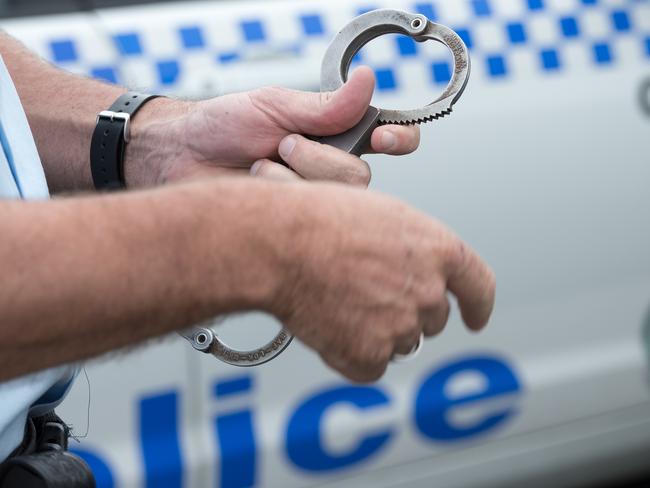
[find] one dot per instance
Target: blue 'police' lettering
(433, 405)
(234, 432)
(304, 444)
(161, 450)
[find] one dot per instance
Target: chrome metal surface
(403, 358)
(205, 340)
(365, 28)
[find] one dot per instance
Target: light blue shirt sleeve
(22, 176)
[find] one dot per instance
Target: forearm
(62, 109)
(83, 276)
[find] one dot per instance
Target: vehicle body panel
(543, 168)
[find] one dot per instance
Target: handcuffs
(334, 72)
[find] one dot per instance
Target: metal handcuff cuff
(334, 71)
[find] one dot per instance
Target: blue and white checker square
(497, 66)
(128, 44)
(63, 51)
(569, 26)
(481, 8)
(621, 21)
(386, 79)
(253, 30)
(550, 59)
(312, 24)
(168, 71)
(105, 73)
(602, 53)
(191, 37)
(516, 33)
(441, 72)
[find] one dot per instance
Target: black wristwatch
(109, 140)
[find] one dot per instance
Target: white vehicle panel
(543, 168)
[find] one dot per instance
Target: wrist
(251, 227)
(157, 142)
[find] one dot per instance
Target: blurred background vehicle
(544, 167)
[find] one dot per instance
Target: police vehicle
(544, 168)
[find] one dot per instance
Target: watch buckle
(110, 115)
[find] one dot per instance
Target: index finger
(473, 283)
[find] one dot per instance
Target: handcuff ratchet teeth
(361, 31)
(334, 72)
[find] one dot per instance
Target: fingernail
(388, 140)
(256, 167)
(286, 147)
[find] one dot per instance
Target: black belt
(42, 460)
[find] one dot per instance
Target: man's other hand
(370, 274)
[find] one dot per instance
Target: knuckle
(343, 365)
(455, 254)
(436, 318)
(434, 293)
(373, 357)
(410, 323)
(372, 373)
(262, 97)
(343, 169)
(408, 326)
(330, 113)
(270, 101)
(406, 344)
(435, 328)
(365, 376)
(273, 91)
(440, 306)
(360, 174)
(363, 362)
(377, 373)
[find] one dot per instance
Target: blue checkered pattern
(518, 31)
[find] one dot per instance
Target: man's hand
(370, 274)
(355, 275)
(232, 133)
(173, 140)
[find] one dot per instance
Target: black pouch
(50, 469)
(42, 461)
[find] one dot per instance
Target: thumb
(330, 113)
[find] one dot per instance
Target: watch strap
(109, 139)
